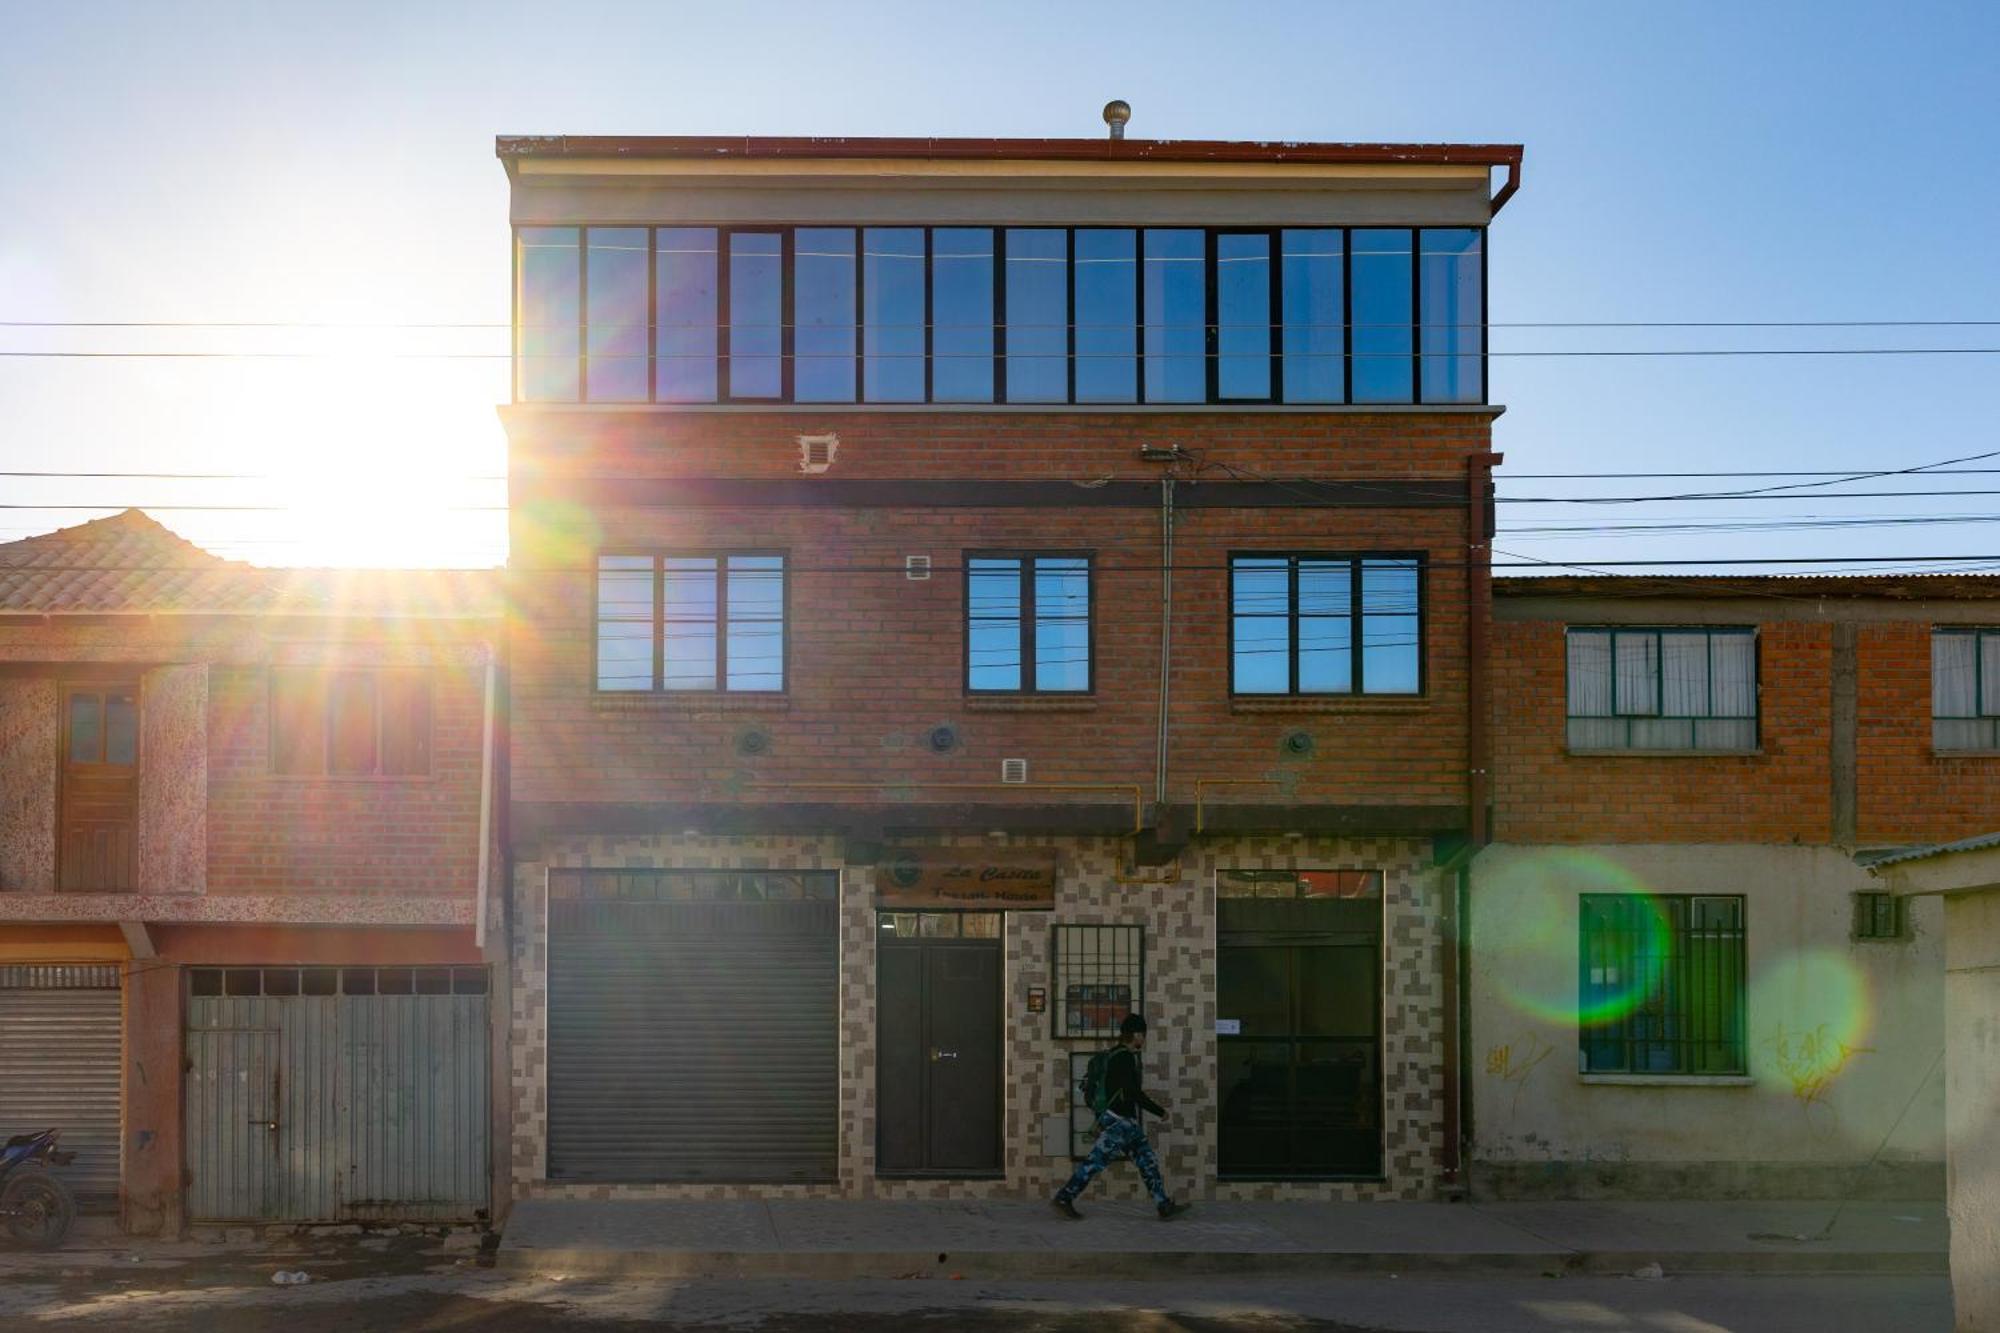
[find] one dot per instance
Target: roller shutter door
(693, 1041)
(60, 1058)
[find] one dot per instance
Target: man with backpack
(1111, 1087)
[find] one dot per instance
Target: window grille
(1663, 688)
(1660, 984)
(1100, 974)
(289, 981)
(1879, 916)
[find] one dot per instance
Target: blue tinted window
(1062, 623)
(1037, 315)
(1326, 623)
(993, 623)
(1107, 311)
(616, 329)
(1391, 646)
(690, 638)
(1260, 600)
(625, 595)
(1176, 316)
(550, 313)
(962, 315)
(756, 315)
(684, 273)
(1243, 316)
(823, 313)
(1314, 339)
(1383, 337)
(1454, 315)
(893, 309)
(756, 636)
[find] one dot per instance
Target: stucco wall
(1972, 1062)
(28, 765)
(1179, 917)
(1843, 1036)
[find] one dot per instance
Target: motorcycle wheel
(36, 1208)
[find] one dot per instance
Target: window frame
(1711, 633)
(1026, 636)
(1738, 1042)
(659, 556)
(322, 679)
(786, 232)
(1979, 634)
(1356, 646)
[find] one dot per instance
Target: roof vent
(817, 452)
(916, 568)
(1013, 770)
(1116, 113)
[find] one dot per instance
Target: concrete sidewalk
(871, 1239)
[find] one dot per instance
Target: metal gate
(60, 1052)
(337, 1094)
(693, 1026)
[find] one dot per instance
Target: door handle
(944, 1055)
(271, 1125)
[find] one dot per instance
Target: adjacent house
(1684, 979)
(970, 590)
(240, 864)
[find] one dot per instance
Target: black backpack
(1092, 1085)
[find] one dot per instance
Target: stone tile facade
(1175, 905)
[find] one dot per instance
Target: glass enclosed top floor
(1099, 315)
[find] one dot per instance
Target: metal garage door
(693, 1026)
(60, 1054)
(337, 1094)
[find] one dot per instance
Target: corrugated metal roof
(1980, 843)
(130, 563)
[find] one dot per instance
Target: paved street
(418, 1283)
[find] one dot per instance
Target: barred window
(1690, 689)
(1965, 689)
(1879, 916)
(1660, 985)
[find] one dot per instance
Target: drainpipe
(1166, 640)
(485, 807)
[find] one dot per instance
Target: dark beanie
(1133, 1023)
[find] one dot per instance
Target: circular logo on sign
(904, 873)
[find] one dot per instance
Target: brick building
(240, 816)
(1683, 978)
(968, 590)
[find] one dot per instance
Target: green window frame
(1661, 984)
(1965, 688)
(1669, 688)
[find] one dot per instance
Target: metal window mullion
(1274, 346)
(1416, 318)
(999, 248)
(1030, 676)
(1357, 626)
(1211, 317)
(929, 278)
(1485, 319)
(1069, 309)
(1292, 621)
(1347, 314)
(787, 256)
(725, 324)
(860, 314)
(652, 314)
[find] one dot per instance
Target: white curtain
(1733, 660)
(1684, 674)
(1638, 667)
(1953, 677)
(1589, 673)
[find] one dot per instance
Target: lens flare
(1527, 938)
(1814, 1012)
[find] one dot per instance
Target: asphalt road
(416, 1283)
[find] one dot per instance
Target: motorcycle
(36, 1208)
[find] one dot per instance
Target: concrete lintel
(277, 909)
(138, 939)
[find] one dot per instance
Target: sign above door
(1000, 879)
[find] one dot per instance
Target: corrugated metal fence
(342, 1106)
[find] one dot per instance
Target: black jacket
(1123, 1095)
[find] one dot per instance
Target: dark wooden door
(938, 1057)
(100, 787)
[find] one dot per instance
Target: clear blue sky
(1765, 161)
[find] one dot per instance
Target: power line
(1490, 324)
(1558, 353)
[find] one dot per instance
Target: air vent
(1013, 770)
(916, 568)
(817, 452)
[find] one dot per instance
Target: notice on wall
(1228, 1027)
(995, 880)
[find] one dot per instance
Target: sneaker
(1170, 1209)
(1066, 1208)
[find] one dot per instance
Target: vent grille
(916, 568)
(817, 452)
(1013, 770)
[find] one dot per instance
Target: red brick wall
(269, 833)
(1905, 793)
(1543, 794)
(876, 660)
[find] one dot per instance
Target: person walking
(1112, 1085)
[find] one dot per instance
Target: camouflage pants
(1121, 1138)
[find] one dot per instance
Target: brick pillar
(151, 1193)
